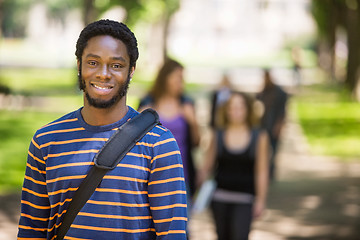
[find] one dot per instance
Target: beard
(97, 103)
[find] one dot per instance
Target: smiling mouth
(101, 87)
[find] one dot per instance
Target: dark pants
(274, 146)
(233, 221)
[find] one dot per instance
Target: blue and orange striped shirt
(144, 197)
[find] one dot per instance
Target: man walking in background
(274, 99)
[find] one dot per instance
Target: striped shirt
(144, 197)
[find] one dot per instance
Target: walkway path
(314, 197)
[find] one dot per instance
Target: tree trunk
(353, 38)
(1, 15)
(166, 25)
(356, 89)
(332, 37)
(89, 11)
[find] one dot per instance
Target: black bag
(113, 151)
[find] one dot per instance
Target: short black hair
(111, 28)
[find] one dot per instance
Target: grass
(40, 82)
(16, 131)
(330, 121)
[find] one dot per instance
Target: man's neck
(103, 116)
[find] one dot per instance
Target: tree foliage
(331, 15)
(58, 9)
(137, 10)
(13, 17)
(14, 13)
(150, 11)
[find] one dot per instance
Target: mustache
(107, 104)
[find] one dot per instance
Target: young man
(274, 99)
(144, 197)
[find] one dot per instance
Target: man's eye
(116, 66)
(92, 63)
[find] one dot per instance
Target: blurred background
(311, 46)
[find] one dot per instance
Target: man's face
(105, 72)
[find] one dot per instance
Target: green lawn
(330, 120)
(40, 82)
(16, 131)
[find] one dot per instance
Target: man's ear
(132, 71)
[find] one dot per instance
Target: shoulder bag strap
(121, 142)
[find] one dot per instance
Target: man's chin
(102, 104)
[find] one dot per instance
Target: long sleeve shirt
(144, 197)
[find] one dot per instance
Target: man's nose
(104, 73)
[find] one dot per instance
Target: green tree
(160, 12)
(353, 38)
(325, 14)
(92, 9)
(14, 14)
(152, 11)
(329, 16)
(58, 9)
(1, 16)
(13, 17)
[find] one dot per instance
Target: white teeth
(102, 88)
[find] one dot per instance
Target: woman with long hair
(176, 112)
(238, 159)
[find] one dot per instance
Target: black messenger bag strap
(121, 142)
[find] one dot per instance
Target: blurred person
(295, 57)
(238, 158)
(274, 99)
(177, 113)
(144, 197)
(218, 97)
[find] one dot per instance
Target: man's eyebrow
(113, 58)
(92, 55)
(119, 59)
